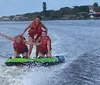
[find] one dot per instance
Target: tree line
(59, 14)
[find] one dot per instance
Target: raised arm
(38, 41)
(27, 28)
(7, 37)
(45, 28)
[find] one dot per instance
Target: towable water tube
(43, 61)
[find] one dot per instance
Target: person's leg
(30, 47)
(25, 54)
(16, 54)
(47, 55)
(37, 50)
(40, 54)
(37, 47)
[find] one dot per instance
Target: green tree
(78, 9)
(44, 12)
(65, 11)
(95, 4)
(96, 7)
(44, 6)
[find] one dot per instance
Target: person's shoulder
(41, 23)
(48, 38)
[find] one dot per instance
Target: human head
(38, 19)
(18, 38)
(44, 33)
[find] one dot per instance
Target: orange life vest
(20, 47)
(35, 29)
(43, 45)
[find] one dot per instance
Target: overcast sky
(12, 7)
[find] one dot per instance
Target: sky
(13, 7)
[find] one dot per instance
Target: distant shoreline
(55, 20)
(84, 12)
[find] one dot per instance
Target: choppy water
(78, 41)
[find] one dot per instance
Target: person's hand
(36, 44)
(35, 36)
(33, 43)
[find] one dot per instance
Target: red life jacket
(20, 47)
(35, 29)
(43, 45)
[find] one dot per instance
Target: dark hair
(44, 31)
(39, 17)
